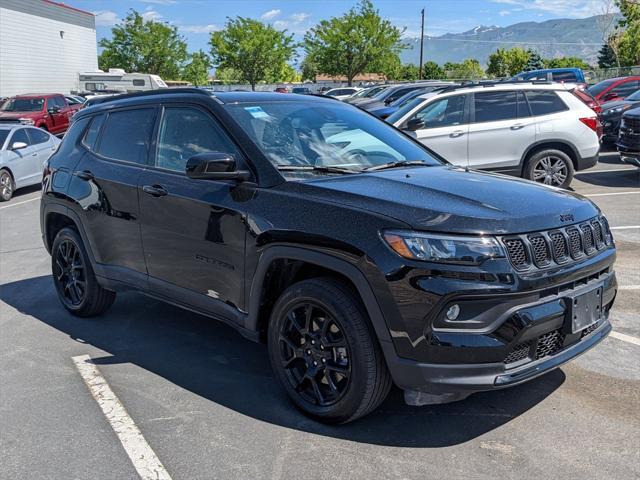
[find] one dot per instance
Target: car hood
(19, 114)
(452, 200)
(613, 104)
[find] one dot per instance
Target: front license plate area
(586, 309)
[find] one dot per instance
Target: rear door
(105, 186)
(193, 232)
(43, 144)
(500, 131)
(445, 127)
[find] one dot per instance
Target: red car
(49, 111)
(614, 88)
(281, 90)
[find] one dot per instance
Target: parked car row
(51, 112)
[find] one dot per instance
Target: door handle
(85, 175)
(456, 134)
(517, 126)
(34, 154)
(155, 190)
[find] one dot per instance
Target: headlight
(443, 248)
(26, 121)
(616, 110)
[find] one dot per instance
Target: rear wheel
(551, 167)
(74, 279)
(324, 352)
(6, 186)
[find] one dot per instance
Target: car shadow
(213, 361)
(26, 190)
(624, 178)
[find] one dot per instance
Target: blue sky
(195, 19)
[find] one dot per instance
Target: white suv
(542, 132)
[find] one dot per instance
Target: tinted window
(38, 136)
(399, 93)
(92, 132)
(598, 88)
(20, 135)
(443, 113)
(523, 108)
(564, 77)
(545, 102)
(126, 135)
(495, 106)
(185, 132)
(625, 89)
(138, 82)
(56, 102)
(3, 137)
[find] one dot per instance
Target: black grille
(549, 343)
(587, 238)
(519, 352)
(517, 252)
(560, 251)
(632, 123)
(556, 247)
(540, 250)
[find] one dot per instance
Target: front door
(193, 231)
(445, 129)
(22, 161)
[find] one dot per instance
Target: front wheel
(551, 167)
(324, 352)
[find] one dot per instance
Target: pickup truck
(49, 111)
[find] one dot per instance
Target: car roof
(32, 95)
(501, 86)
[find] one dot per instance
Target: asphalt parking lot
(207, 404)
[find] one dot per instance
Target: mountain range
(561, 37)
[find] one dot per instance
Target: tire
(7, 186)
(550, 167)
(349, 373)
(74, 279)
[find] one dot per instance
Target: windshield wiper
(315, 168)
(399, 163)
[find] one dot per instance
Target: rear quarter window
(545, 102)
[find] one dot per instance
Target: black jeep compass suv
(360, 257)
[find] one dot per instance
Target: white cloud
(106, 18)
(151, 15)
(564, 8)
(502, 13)
(199, 28)
(271, 14)
(299, 17)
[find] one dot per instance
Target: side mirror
(609, 96)
(18, 145)
(215, 166)
(415, 124)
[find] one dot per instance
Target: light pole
(421, 43)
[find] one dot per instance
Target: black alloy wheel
(69, 273)
(315, 354)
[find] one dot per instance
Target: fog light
(453, 312)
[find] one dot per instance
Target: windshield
(374, 91)
(23, 105)
(634, 96)
(300, 134)
(598, 88)
(3, 136)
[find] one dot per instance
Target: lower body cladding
(531, 339)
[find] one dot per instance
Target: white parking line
(614, 193)
(20, 203)
(625, 338)
(142, 456)
(629, 287)
(607, 171)
(629, 227)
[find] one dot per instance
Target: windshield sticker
(257, 112)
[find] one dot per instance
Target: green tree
(308, 69)
(147, 46)
(607, 57)
(228, 76)
(252, 48)
(534, 62)
(566, 62)
(282, 73)
(468, 69)
(629, 42)
(409, 72)
(507, 62)
(197, 70)
(357, 42)
(391, 68)
(432, 71)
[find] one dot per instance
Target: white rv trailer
(118, 79)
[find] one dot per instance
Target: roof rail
(493, 83)
(149, 93)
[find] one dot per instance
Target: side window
(38, 136)
(187, 131)
(91, 136)
(523, 108)
(20, 135)
(545, 102)
(625, 89)
(138, 82)
(443, 113)
(127, 134)
(495, 106)
(564, 77)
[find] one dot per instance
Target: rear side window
(92, 132)
(545, 102)
(564, 77)
(495, 106)
(127, 134)
(38, 136)
(187, 131)
(523, 108)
